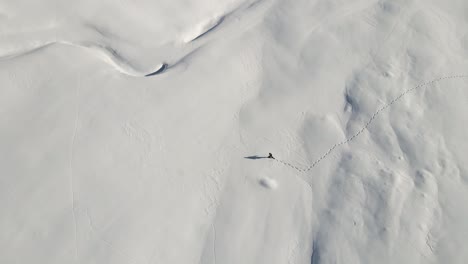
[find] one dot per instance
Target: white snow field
(136, 132)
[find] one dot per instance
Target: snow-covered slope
(137, 131)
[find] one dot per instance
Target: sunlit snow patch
(268, 183)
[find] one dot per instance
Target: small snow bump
(268, 183)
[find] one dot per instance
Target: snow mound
(269, 183)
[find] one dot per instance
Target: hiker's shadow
(256, 157)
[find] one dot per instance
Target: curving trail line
(371, 119)
(106, 53)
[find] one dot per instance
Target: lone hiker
(270, 156)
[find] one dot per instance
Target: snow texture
(138, 131)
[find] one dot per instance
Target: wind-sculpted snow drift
(106, 53)
(97, 167)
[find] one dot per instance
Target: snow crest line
(330, 150)
(104, 52)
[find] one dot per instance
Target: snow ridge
(106, 53)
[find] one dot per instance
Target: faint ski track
(108, 244)
(331, 149)
(72, 146)
(214, 243)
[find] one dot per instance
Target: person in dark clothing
(270, 156)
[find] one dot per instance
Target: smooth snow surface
(137, 131)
